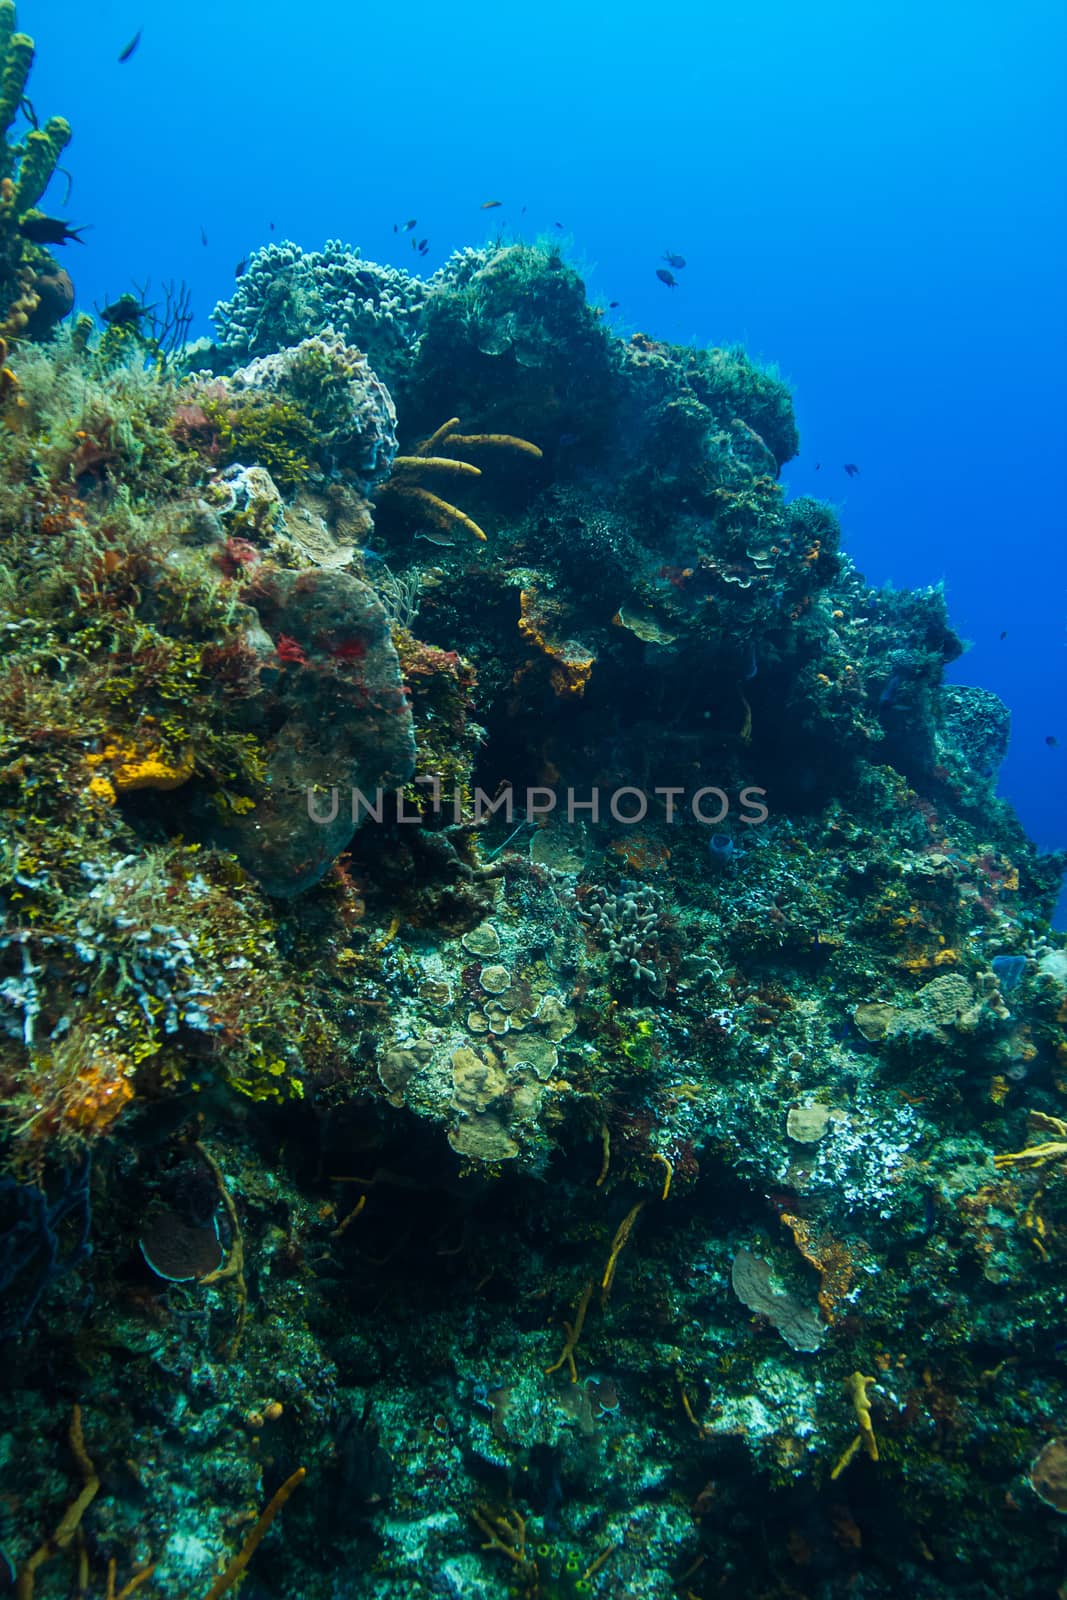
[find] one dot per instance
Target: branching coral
(429, 457)
(70, 1522)
(857, 1386)
(226, 1580)
(629, 922)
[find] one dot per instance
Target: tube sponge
(16, 56)
(41, 154)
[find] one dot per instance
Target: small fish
(818, 466)
(239, 269)
(124, 311)
(49, 230)
(409, 225)
(437, 538)
(522, 213)
(1052, 741)
(424, 247)
(1004, 635)
(131, 47)
(490, 205)
(203, 235)
(852, 469)
(673, 260)
(272, 227)
(557, 224)
(612, 304)
(666, 277)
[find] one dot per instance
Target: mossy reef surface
(471, 1198)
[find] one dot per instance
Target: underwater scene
(533, 1010)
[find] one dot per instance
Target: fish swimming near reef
(673, 260)
(424, 247)
(666, 277)
(407, 226)
(50, 230)
(852, 469)
(239, 269)
(131, 47)
(125, 311)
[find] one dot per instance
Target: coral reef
(531, 1063)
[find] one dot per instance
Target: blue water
(872, 196)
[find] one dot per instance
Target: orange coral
(572, 666)
(98, 1097)
(131, 766)
(829, 1257)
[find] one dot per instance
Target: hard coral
(287, 295)
(347, 413)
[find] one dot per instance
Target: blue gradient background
(872, 196)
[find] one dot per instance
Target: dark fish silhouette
(131, 47)
(1004, 635)
(272, 227)
(424, 247)
(124, 311)
(239, 269)
(557, 224)
(674, 261)
(1052, 741)
(203, 235)
(612, 304)
(852, 469)
(407, 227)
(666, 277)
(50, 230)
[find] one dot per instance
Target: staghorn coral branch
(226, 1580)
(574, 1333)
(623, 1232)
(70, 1522)
(235, 1267)
(440, 510)
(404, 464)
(506, 441)
(427, 447)
(1035, 1154)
